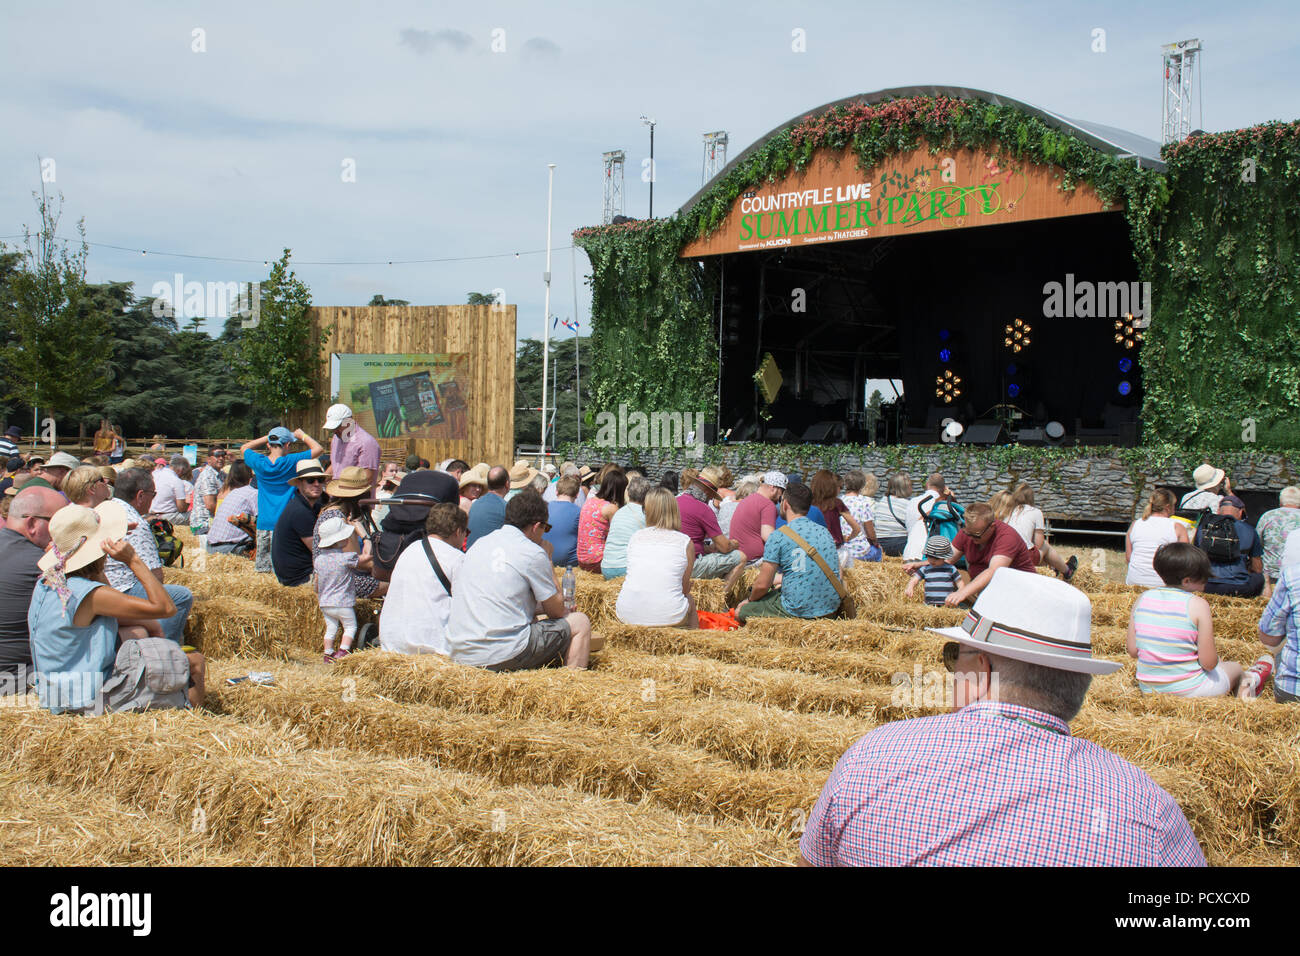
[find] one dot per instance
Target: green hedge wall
(1224, 342)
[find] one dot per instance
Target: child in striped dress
(1171, 632)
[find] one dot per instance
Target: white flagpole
(546, 321)
(577, 361)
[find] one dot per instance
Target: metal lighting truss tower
(715, 154)
(613, 186)
(1179, 60)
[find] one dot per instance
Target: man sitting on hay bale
(716, 555)
(808, 586)
(1001, 781)
(988, 545)
(503, 581)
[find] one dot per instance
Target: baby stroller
(408, 509)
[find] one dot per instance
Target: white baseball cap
(336, 416)
(776, 480)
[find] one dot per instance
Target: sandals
(1070, 567)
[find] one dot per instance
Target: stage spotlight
(1013, 390)
(952, 430)
(1017, 335)
(1127, 332)
(943, 335)
(1011, 370)
(947, 386)
(945, 355)
(1125, 387)
(1125, 364)
(1055, 431)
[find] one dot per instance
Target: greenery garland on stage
(653, 332)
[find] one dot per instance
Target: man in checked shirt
(1000, 781)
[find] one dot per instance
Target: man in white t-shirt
(505, 578)
(170, 493)
(418, 604)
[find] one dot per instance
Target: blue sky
(238, 151)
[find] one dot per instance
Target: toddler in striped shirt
(938, 576)
(1171, 632)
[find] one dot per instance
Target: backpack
(170, 549)
(407, 510)
(1216, 535)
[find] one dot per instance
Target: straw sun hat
(521, 473)
(351, 484)
(1207, 477)
(78, 535)
(475, 476)
(1032, 618)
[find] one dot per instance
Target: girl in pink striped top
(1171, 632)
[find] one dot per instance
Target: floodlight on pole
(647, 121)
(546, 277)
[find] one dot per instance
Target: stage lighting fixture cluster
(1017, 335)
(947, 386)
(1127, 333)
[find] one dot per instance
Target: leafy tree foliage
(569, 405)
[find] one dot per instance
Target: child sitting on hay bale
(1171, 631)
(938, 578)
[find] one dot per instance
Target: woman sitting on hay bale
(657, 589)
(859, 489)
(1149, 534)
(235, 521)
(891, 515)
(593, 522)
(76, 619)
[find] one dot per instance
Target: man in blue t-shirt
(1245, 576)
(273, 472)
(488, 513)
(805, 591)
(563, 514)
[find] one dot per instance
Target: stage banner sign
(404, 395)
(833, 200)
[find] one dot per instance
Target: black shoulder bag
(437, 568)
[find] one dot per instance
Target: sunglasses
(312, 481)
(546, 528)
(971, 534)
(951, 651)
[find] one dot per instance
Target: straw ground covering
(677, 747)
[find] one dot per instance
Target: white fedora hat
(1032, 618)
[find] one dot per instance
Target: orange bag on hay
(713, 621)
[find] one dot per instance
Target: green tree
(9, 266)
(279, 355)
(481, 298)
(569, 406)
(154, 392)
(378, 299)
(56, 358)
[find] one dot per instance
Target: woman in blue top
(76, 617)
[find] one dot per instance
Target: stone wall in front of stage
(1070, 484)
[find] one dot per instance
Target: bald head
(30, 511)
(498, 480)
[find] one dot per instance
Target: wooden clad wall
(485, 332)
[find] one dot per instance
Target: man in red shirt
(988, 544)
(755, 517)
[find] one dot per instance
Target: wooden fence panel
(485, 333)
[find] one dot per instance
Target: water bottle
(1253, 681)
(569, 588)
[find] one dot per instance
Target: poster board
(404, 395)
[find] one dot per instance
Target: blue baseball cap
(281, 436)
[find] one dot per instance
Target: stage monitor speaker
(826, 431)
(710, 430)
(1031, 436)
(780, 434)
(982, 433)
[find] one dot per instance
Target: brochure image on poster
(419, 404)
(386, 408)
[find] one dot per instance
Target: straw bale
(529, 752)
(268, 801)
(596, 597)
(779, 688)
(749, 735)
(45, 825)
